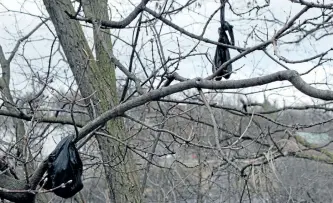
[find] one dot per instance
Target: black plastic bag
(222, 55)
(64, 164)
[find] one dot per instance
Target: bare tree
(149, 128)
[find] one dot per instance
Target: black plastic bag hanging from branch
(64, 169)
(222, 53)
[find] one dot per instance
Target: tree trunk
(97, 83)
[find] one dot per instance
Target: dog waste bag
(64, 169)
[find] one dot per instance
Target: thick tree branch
(289, 75)
(114, 24)
(55, 120)
(312, 4)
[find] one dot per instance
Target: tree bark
(97, 83)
